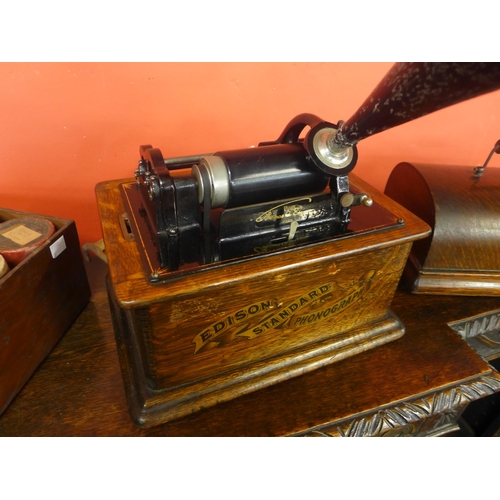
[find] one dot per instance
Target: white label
(58, 247)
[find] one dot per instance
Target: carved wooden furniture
(462, 256)
(416, 385)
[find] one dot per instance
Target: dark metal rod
(184, 161)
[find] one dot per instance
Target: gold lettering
(284, 317)
(288, 211)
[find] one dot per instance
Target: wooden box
(207, 337)
(462, 256)
(39, 300)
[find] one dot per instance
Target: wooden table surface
(78, 389)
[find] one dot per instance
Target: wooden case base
(208, 337)
(453, 282)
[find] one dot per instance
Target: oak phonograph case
(235, 270)
(462, 206)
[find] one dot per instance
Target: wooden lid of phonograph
(462, 255)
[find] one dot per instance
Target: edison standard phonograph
(236, 270)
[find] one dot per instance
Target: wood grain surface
(198, 339)
(40, 299)
(78, 390)
(462, 255)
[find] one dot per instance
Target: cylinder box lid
(20, 237)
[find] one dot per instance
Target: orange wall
(67, 126)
